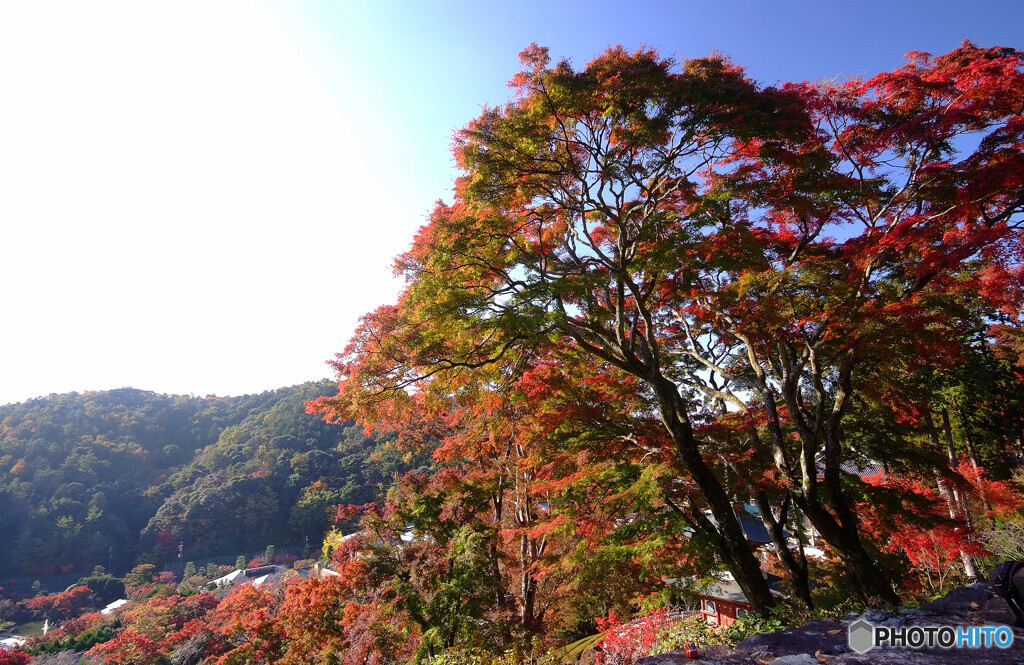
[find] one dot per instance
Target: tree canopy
(759, 261)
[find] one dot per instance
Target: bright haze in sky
(203, 197)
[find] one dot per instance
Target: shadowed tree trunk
(796, 571)
(955, 500)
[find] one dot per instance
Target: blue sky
(204, 196)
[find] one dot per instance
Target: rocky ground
(819, 642)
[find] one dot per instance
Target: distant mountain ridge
(120, 476)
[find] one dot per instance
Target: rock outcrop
(819, 642)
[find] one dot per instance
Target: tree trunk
(955, 501)
(841, 534)
(493, 551)
(947, 426)
(872, 585)
(796, 571)
(528, 586)
(972, 454)
(732, 543)
(970, 569)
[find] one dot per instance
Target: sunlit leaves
(667, 286)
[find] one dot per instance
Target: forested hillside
(104, 478)
(273, 478)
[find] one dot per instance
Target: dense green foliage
(82, 476)
(273, 478)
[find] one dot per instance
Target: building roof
(248, 575)
(726, 588)
(751, 524)
(289, 575)
(753, 529)
(231, 578)
(114, 605)
(273, 575)
(869, 468)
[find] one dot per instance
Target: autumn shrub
(14, 657)
(85, 623)
(258, 562)
(658, 633)
(908, 521)
(193, 583)
(138, 583)
(149, 585)
(61, 606)
(625, 643)
(76, 634)
(247, 625)
(159, 617)
(477, 656)
(759, 623)
(128, 648)
(693, 628)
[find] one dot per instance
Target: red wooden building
(723, 601)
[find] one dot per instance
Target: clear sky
(204, 196)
